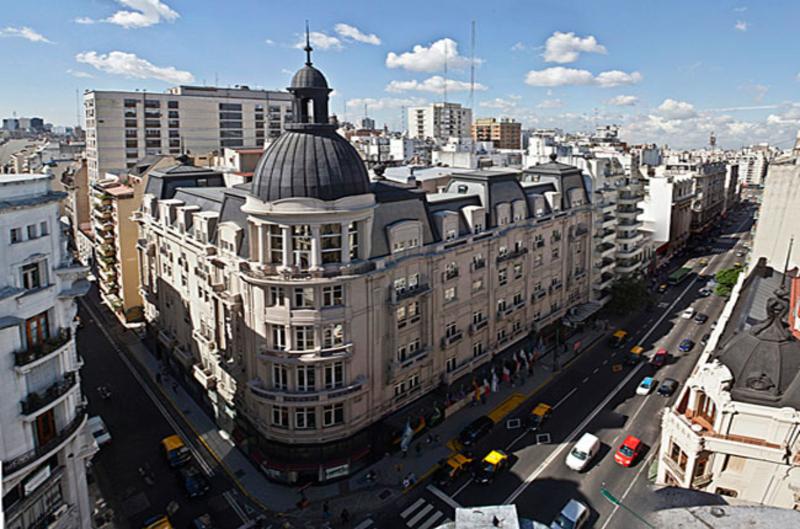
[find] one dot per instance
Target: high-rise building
(440, 122)
(316, 308)
(122, 127)
(45, 445)
(505, 133)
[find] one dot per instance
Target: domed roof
(309, 77)
(310, 161)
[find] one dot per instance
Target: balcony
(606, 235)
(629, 237)
(605, 249)
(447, 275)
(513, 254)
(628, 198)
(102, 213)
(604, 282)
(629, 212)
(36, 401)
(30, 457)
(108, 275)
(106, 250)
(478, 264)
(447, 341)
(44, 349)
(629, 252)
(477, 326)
(628, 267)
(630, 224)
(406, 293)
(605, 265)
(674, 468)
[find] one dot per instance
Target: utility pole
(613, 500)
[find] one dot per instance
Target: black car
(706, 337)
(475, 430)
(700, 318)
(667, 387)
(193, 480)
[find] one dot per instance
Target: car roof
(647, 380)
(661, 351)
(620, 334)
(586, 440)
(95, 421)
(172, 442)
(480, 421)
(632, 441)
(573, 509)
(494, 457)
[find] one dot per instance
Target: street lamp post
(613, 500)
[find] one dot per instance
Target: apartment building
(735, 425)
(505, 133)
(327, 303)
(440, 122)
(667, 211)
(753, 166)
(123, 127)
(44, 445)
(114, 201)
(708, 182)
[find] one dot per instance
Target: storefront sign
(37, 479)
(335, 472)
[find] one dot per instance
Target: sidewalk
(361, 497)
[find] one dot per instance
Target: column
(286, 233)
(316, 251)
(262, 244)
(345, 244)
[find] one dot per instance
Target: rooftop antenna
(471, 68)
(308, 49)
(445, 69)
(366, 114)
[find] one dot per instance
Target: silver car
(574, 515)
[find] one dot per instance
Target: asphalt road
(588, 396)
(137, 426)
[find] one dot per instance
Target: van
(583, 452)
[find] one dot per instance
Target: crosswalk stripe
(413, 508)
(365, 524)
(435, 516)
(417, 517)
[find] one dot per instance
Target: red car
(628, 451)
(660, 358)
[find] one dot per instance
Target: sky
(667, 72)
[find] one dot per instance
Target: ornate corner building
(313, 305)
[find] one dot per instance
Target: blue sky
(668, 72)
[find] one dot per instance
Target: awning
(582, 312)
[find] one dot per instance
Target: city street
(137, 424)
(591, 395)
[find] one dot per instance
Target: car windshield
(577, 454)
(626, 451)
(488, 468)
(98, 433)
(563, 522)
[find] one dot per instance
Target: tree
(628, 294)
(726, 279)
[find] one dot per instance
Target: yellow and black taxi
(618, 339)
(451, 468)
(158, 522)
(635, 355)
(493, 464)
(175, 451)
(539, 415)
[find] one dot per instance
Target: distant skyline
(668, 73)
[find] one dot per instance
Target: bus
(679, 275)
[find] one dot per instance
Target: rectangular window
(230, 106)
(413, 281)
(400, 285)
(280, 416)
(32, 231)
(330, 240)
(306, 379)
(451, 364)
(333, 415)
(275, 244)
(517, 270)
(276, 296)
(278, 337)
(450, 329)
(477, 316)
(332, 296)
(304, 338)
(501, 305)
(413, 309)
(31, 277)
(502, 276)
(280, 377)
(449, 294)
(43, 230)
(477, 285)
(334, 375)
(401, 313)
(333, 336)
(36, 330)
(477, 349)
(304, 297)
(352, 233)
(402, 353)
(305, 418)
(301, 244)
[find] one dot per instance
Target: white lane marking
(614, 441)
(462, 487)
(565, 397)
(605, 362)
(366, 523)
(413, 508)
(645, 464)
(596, 369)
(421, 514)
(574, 434)
(435, 516)
(585, 380)
(235, 506)
(136, 375)
(444, 497)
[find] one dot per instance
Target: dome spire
(308, 49)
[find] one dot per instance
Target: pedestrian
(399, 468)
(404, 452)
(326, 510)
(345, 516)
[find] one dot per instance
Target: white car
(574, 515)
(645, 386)
(99, 430)
(583, 452)
(688, 314)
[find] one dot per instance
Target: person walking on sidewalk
(345, 516)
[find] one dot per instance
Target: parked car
(700, 318)
(668, 387)
(99, 430)
(662, 288)
(450, 469)
(686, 345)
(660, 358)
(574, 515)
(705, 292)
(476, 430)
(539, 415)
(628, 451)
(194, 482)
(582, 453)
(688, 313)
(705, 338)
(645, 386)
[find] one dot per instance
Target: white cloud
(741, 25)
(434, 84)
(614, 78)
(519, 46)
(269, 42)
(673, 109)
(623, 101)
(144, 13)
(80, 74)
(550, 103)
(567, 47)
(287, 71)
(384, 103)
(320, 41)
(500, 103)
(352, 32)
(741, 9)
(84, 20)
(431, 58)
(561, 76)
(23, 32)
(129, 65)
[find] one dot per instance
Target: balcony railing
(19, 462)
(450, 274)
(38, 400)
(478, 264)
(478, 325)
(512, 254)
(408, 292)
(453, 338)
(35, 352)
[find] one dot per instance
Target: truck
(679, 275)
